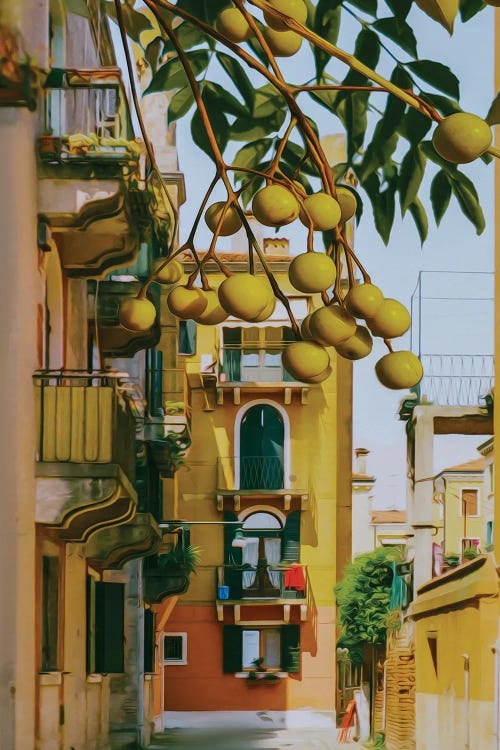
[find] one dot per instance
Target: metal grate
(257, 472)
(456, 379)
(172, 647)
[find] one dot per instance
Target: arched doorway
(262, 436)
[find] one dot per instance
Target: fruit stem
(388, 344)
(279, 151)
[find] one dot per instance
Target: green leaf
(440, 194)
(180, 103)
(398, 31)
(78, 8)
(326, 25)
(411, 174)
(220, 126)
(466, 195)
(438, 75)
(266, 101)
(189, 35)
(240, 79)
(220, 97)
(352, 112)
(431, 153)
(366, 49)
(493, 116)
(172, 76)
(134, 21)
(251, 154)
(469, 8)
(250, 128)
(205, 10)
(383, 204)
(414, 126)
(420, 218)
(399, 8)
(368, 6)
(153, 52)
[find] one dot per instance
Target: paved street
(250, 739)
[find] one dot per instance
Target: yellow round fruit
(331, 325)
(233, 25)
(245, 296)
(319, 378)
(462, 137)
(137, 314)
(357, 346)
(305, 331)
(171, 273)
(399, 370)
(348, 203)
(323, 210)
(282, 43)
(312, 272)
(214, 313)
(231, 222)
(296, 9)
(363, 300)
(391, 320)
(305, 359)
(266, 312)
(186, 303)
(275, 206)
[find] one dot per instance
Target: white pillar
(420, 499)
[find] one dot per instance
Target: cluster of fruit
(282, 42)
(459, 138)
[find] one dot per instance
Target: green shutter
(291, 538)
(232, 648)
(187, 337)
(288, 337)
(231, 353)
(149, 640)
(50, 613)
(109, 627)
(290, 648)
(232, 556)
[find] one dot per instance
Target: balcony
(94, 199)
(115, 341)
(85, 453)
(253, 368)
(112, 548)
(259, 478)
(166, 424)
(265, 584)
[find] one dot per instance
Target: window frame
(461, 507)
(175, 662)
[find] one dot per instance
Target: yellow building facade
(266, 496)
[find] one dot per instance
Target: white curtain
(250, 557)
(273, 556)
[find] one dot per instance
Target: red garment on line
(295, 579)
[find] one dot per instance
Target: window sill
(50, 678)
(244, 675)
(94, 678)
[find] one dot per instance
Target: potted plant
(452, 559)
(260, 674)
(470, 553)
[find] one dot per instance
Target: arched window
(262, 437)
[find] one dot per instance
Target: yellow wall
(456, 526)
(320, 462)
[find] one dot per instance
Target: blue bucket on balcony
(223, 592)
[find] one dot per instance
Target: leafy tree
(363, 597)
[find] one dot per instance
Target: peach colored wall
(200, 685)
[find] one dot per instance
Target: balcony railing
(257, 473)
(236, 583)
(456, 379)
(85, 117)
(85, 452)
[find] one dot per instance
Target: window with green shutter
(232, 648)
(149, 641)
(105, 627)
(50, 613)
(279, 648)
(290, 648)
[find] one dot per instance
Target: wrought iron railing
(456, 379)
(244, 582)
(251, 473)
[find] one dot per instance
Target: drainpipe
(466, 659)
(140, 656)
(496, 698)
